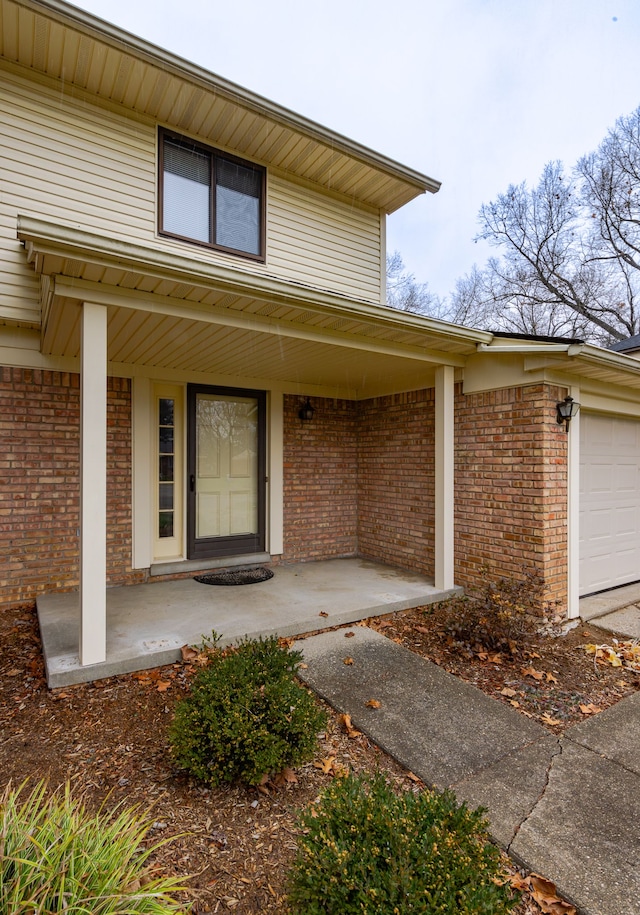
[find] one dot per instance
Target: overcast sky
(476, 93)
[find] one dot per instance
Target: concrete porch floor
(148, 624)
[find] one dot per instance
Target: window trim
(213, 153)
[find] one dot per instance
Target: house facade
(197, 367)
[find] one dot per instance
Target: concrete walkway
(567, 808)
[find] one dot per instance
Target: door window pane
(166, 466)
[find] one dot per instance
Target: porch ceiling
(90, 58)
(170, 312)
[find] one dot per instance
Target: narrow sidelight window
(211, 198)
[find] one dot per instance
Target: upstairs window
(210, 198)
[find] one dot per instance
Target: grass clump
(56, 857)
(246, 716)
(370, 851)
(501, 617)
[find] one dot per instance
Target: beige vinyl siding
(87, 166)
(324, 241)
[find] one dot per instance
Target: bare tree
(570, 249)
(405, 294)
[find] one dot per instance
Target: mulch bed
(110, 739)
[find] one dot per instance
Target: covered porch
(148, 624)
(151, 318)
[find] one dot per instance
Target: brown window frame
(214, 155)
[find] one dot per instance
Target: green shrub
(246, 716)
(501, 617)
(369, 851)
(55, 857)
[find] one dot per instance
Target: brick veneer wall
(511, 486)
(39, 482)
(320, 480)
(396, 480)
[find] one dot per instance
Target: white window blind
(187, 192)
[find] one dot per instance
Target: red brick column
(511, 486)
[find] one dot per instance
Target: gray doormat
(236, 577)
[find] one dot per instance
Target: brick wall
(396, 480)
(320, 480)
(511, 486)
(358, 480)
(39, 482)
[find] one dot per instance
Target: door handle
(192, 482)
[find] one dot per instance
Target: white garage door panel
(609, 502)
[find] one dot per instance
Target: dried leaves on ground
(236, 843)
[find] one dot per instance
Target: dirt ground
(236, 843)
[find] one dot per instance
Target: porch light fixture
(306, 412)
(565, 411)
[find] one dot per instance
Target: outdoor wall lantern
(306, 412)
(565, 411)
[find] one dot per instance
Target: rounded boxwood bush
(56, 857)
(246, 716)
(370, 851)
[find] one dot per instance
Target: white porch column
(93, 484)
(444, 478)
(573, 512)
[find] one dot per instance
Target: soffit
(88, 55)
(167, 311)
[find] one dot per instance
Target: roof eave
(156, 56)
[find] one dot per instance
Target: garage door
(609, 501)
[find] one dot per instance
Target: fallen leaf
(373, 703)
(163, 685)
(547, 719)
(550, 678)
(326, 765)
(507, 691)
(383, 624)
(534, 654)
(302, 666)
(515, 703)
(423, 629)
(414, 778)
(323, 613)
(345, 721)
(347, 661)
(15, 672)
(188, 653)
(495, 658)
(545, 894)
(589, 709)
(532, 672)
(349, 635)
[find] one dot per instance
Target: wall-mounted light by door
(565, 411)
(306, 412)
